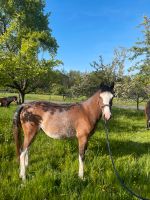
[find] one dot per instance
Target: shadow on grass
(97, 147)
(125, 121)
(126, 127)
(128, 113)
(121, 148)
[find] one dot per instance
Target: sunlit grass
(53, 164)
(45, 97)
(59, 98)
(127, 102)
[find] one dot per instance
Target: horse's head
(106, 97)
(15, 99)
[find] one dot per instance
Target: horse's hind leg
(22, 164)
(29, 133)
(82, 147)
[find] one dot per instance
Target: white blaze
(106, 97)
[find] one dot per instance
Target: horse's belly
(53, 135)
(59, 130)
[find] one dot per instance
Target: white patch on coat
(22, 164)
(106, 97)
(26, 159)
(80, 167)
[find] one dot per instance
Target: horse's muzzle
(107, 117)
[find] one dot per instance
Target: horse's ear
(101, 85)
(112, 85)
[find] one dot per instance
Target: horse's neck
(92, 107)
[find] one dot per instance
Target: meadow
(58, 98)
(53, 164)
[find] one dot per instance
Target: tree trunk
(137, 102)
(21, 97)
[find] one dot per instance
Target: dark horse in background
(147, 113)
(5, 101)
(61, 121)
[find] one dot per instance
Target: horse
(147, 113)
(5, 101)
(60, 121)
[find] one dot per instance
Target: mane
(106, 88)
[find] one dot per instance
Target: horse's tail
(17, 131)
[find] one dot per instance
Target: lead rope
(115, 170)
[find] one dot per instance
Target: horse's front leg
(82, 140)
(26, 159)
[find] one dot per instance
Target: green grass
(127, 102)
(53, 164)
(45, 97)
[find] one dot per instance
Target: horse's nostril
(107, 117)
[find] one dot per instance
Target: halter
(105, 105)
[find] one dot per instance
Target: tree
(24, 32)
(114, 70)
(108, 73)
(141, 54)
(122, 87)
(135, 90)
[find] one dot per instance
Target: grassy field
(53, 164)
(46, 97)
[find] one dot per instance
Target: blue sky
(86, 29)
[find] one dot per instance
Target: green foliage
(141, 53)
(137, 85)
(113, 71)
(53, 164)
(75, 83)
(107, 73)
(132, 88)
(24, 32)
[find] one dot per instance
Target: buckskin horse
(61, 121)
(147, 113)
(5, 101)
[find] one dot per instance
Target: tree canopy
(24, 33)
(141, 52)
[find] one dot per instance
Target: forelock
(106, 88)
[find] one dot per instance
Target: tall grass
(53, 165)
